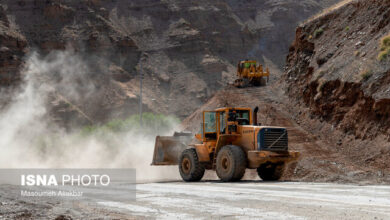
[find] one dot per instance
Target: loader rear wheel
(270, 172)
(189, 166)
(231, 163)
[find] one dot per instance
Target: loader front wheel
(231, 163)
(270, 172)
(189, 166)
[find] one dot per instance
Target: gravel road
(210, 199)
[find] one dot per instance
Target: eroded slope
(339, 84)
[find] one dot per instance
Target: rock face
(12, 49)
(186, 50)
(334, 69)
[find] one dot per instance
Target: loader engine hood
(272, 139)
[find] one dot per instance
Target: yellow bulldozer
(229, 142)
(250, 74)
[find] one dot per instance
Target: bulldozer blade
(167, 149)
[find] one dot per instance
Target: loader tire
(190, 168)
(231, 163)
(270, 172)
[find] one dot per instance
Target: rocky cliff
(13, 48)
(338, 74)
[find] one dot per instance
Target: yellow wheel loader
(230, 141)
(250, 74)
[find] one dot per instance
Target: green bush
(346, 28)
(383, 55)
(385, 42)
(385, 48)
(317, 33)
(151, 124)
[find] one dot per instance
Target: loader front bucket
(167, 149)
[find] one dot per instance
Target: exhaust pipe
(255, 110)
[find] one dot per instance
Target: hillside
(338, 79)
(333, 96)
(186, 50)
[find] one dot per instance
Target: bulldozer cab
(246, 65)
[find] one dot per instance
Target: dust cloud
(29, 139)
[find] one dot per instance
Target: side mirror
(255, 110)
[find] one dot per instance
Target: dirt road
(213, 199)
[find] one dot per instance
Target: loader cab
(224, 121)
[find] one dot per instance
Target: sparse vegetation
(152, 123)
(328, 10)
(385, 48)
(366, 74)
(317, 33)
(383, 55)
(346, 28)
(356, 53)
